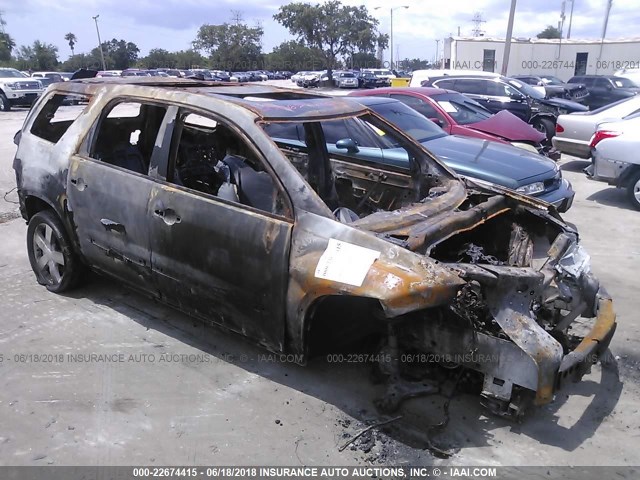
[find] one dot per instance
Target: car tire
(545, 126)
(633, 190)
(5, 105)
(51, 254)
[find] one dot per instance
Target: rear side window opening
(54, 119)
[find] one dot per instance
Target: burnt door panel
(109, 207)
(222, 261)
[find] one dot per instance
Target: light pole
(391, 32)
(507, 41)
(104, 65)
(570, 19)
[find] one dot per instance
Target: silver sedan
(574, 130)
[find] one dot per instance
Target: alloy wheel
(48, 254)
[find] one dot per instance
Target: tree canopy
(332, 28)
(38, 56)
(294, 56)
(71, 38)
(231, 46)
(6, 47)
(118, 54)
(550, 32)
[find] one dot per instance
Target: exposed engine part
(471, 306)
(520, 247)
(476, 254)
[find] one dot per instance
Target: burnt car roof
(268, 102)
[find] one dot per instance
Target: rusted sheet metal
(510, 303)
(401, 280)
(404, 218)
(593, 345)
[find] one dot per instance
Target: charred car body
(174, 187)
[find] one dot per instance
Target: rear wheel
(51, 254)
(633, 190)
(5, 106)
(545, 126)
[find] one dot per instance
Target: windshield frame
(12, 73)
(459, 100)
(525, 89)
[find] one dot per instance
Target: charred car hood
(420, 225)
(506, 125)
(491, 161)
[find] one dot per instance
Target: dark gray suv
(175, 188)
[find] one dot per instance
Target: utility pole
(604, 29)
(104, 65)
(507, 43)
(437, 62)
(606, 19)
(391, 33)
(570, 19)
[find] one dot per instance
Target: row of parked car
(476, 142)
(200, 74)
(608, 135)
(365, 78)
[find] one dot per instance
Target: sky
(173, 24)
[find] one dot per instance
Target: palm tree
(71, 38)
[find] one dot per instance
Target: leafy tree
(294, 56)
(71, 38)
(6, 43)
(362, 60)
(157, 58)
(415, 64)
(550, 32)
(189, 59)
(118, 54)
(39, 56)
(231, 46)
(6, 47)
(332, 28)
(82, 60)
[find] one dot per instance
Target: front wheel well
(34, 205)
(341, 323)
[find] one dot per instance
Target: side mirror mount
(347, 144)
(516, 96)
(437, 121)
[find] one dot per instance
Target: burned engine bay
(527, 315)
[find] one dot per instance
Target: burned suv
(177, 188)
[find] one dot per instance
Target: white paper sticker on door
(345, 263)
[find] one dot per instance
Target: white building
(562, 58)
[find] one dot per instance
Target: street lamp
(391, 31)
(104, 65)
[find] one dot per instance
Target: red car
(459, 115)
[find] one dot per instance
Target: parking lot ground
(104, 376)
